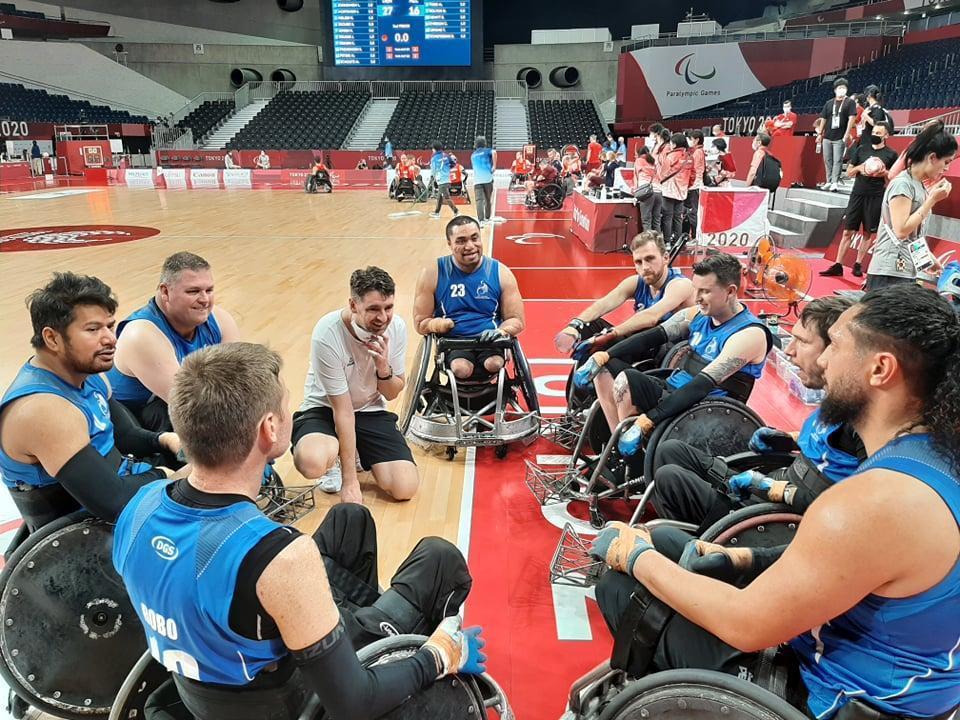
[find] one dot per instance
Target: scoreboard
(395, 33)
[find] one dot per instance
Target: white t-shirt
(339, 363)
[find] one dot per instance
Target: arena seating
(454, 119)
(554, 123)
(208, 116)
(11, 9)
(302, 119)
(914, 76)
(34, 105)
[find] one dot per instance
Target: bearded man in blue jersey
(468, 295)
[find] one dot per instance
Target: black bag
(643, 192)
(769, 174)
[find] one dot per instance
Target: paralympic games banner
(732, 217)
(660, 82)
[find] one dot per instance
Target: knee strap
(803, 473)
(639, 632)
(401, 616)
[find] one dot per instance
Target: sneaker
(332, 480)
(835, 270)
(833, 187)
(435, 216)
(857, 271)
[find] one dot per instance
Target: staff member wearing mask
(834, 127)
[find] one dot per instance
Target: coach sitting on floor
(249, 615)
(61, 435)
(728, 349)
(356, 367)
(467, 295)
(153, 341)
(685, 484)
(868, 592)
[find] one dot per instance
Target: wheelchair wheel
(763, 525)
(527, 385)
(550, 197)
(675, 355)
(68, 633)
(412, 400)
(147, 675)
(697, 695)
(718, 426)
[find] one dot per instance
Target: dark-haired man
(441, 164)
(251, 617)
(686, 482)
(61, 434)
(465, 294)
(833, 128)
(728, 344)
(868, 592)
(866, 198)
(356, 367)
(179, 319)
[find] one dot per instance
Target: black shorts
(875, 282)
(477, 357)
(444, 190)
(863, 211)
(646, 391)
(379, 439)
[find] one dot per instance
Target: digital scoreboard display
(394, 33)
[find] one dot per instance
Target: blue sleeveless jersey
(644, 297)
(440, 166)
(814, 442)
(707, 340)
(90, 399)
(180, 565)
(898, 655)
(128, 389)
(471, 300)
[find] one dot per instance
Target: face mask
(876, 139)
(840, 92)
(786, 109)
(362, 335)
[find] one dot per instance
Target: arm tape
(349, 691)
(91, 479)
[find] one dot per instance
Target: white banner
(732, 217)
(237, 177)
(176, 178)
(687, 77)
(138, 177)
(204, 178)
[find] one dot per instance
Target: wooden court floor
(281, 259)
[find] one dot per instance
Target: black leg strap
(639, 632)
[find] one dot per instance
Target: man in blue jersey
(250, 616)
(441, 163)
(483, 161)
(61, 433)
(154, 340)
(868, 592)
(465, 294)
(686, 482)
(657, 291)
(728, 344)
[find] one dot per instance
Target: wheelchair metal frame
(433, 411)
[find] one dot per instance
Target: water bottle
(819, 145)
(586, 373)
(603, 192)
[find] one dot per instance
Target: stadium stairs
(371, 126)
(233, 125)
(511, 126)
(807, 218)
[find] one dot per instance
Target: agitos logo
(64, 236)
(692, 77)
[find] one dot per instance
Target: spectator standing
(724, 166)
(906, 206)
(36, 159)
(785, 123)
(863, 209)
(717, 131)
(760, 144)
(594, 150)
(483, 161)
(874, 113)
(834, 128)
(699, 165)
(645, 171)
(621, 150)
(675, 181)
(388, 150)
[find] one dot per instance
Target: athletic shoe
(857, 271)
(833, 187)
(435, 216)
(483, 223)
(332, 480)
(835, 270)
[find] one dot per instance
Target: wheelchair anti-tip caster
(451, 452)
(500, 451)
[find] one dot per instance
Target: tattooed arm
(744, 347)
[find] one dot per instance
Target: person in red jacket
(785, 123)
(699, 165)
(675, 181)
(594, 149)
(724, 168)
(519, 170)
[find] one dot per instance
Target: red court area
(541, 638)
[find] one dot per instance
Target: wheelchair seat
(549, 197)
(315, 181)
(482, 410)
(458, 697)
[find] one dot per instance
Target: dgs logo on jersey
(67, 236)
(165, 548)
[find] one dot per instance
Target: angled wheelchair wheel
(718, 426)
(416, 381)
(456, 697)
(550, 197)
(697, 695)
(675, 355)
(68, 633)
(131, 700)
(525, 375)
(763, 525)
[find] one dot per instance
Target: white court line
(619, 268)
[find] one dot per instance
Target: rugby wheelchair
(483, 410)
(315, 181)
(68, 633)
(459, 189)
(547, 197)
(456, 697)
(408, 189)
